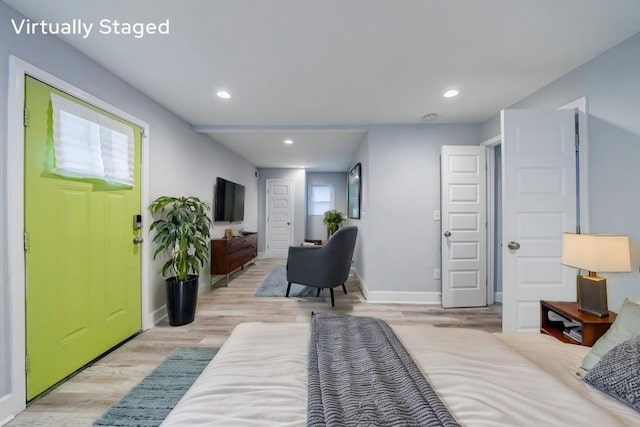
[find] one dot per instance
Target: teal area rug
(275, 285)
(149, 402)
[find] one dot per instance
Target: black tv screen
(229, 201)
(238, 203)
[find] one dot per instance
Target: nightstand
(592, 327)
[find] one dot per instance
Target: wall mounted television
(229, 201)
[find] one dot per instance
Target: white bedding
(258, 378)
(564, 365)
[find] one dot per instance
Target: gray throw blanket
(361, 375)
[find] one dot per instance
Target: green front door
(82, 265)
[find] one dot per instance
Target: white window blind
(321, 200)
(88, 144)
(117, 147)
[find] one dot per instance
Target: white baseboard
(430, 298)
(498, 297)
(6, 420)
(361, 285)
(158, 315)
(217, 281)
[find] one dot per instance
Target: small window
(88, 144)
(321, 200)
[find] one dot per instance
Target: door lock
(514, 246)
(137, 240)
(447, 233)
(137, 222)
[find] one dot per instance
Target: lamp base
(593, 295)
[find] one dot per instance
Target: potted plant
(333, 219)
(182, 227)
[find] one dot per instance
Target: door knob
(137, 240)
(513, 246)
(447, 233)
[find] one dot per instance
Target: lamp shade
(596, 252)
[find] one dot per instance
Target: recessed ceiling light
(429, 117)
(288, 141)
(451, 93)
(223, 94)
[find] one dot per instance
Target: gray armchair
(323, 266)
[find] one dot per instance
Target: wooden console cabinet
(229, 255)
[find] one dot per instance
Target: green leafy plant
(182, 229)
(333, 219)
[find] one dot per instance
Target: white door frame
(582, 106)
(490, 145)
(266, 212)
(583, 161)
(15, 401)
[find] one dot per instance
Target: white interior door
(279, 217)
(464, 226)
(538, 205)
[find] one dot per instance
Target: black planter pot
(181, 300)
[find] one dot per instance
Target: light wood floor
(83, 398)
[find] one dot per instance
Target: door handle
(514, 246)
(447, 233)
(137, 240)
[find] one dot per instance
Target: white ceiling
(320, 71)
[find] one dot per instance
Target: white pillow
(625, 327)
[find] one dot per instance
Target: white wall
(182, 162)
(244, 177)
(403, 181)
(316, 229)
(190, 168)
(298, 176)
(612, 86)
(363, 248)
(5, 372)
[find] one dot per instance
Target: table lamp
(595, 252)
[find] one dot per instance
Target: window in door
(88, 144)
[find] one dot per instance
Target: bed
(259, 378)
